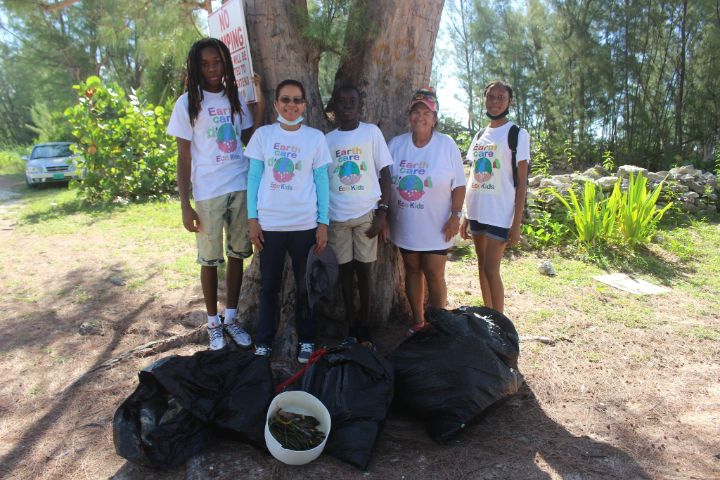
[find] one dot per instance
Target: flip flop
(416, 328)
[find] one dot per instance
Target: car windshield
(51, 151)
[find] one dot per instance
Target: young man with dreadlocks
(209, 121)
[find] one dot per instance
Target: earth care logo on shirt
(224, 133)
(348, 170)
(411, 184)
(484, 167)
(283, 165)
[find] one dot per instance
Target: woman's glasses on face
(295, 100)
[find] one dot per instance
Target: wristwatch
(383, 206)
(456, 213)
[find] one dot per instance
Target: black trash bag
(450, 373)
(181, 401)
(151, 429)
(356, 386)
(229, 390)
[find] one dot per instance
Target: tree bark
(389, 56)
(279, 52)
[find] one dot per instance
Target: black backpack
(512, 143)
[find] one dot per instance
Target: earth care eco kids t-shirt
(358, 156)
(490, 198)
(286, 197)
(218, 164)
(423, 181)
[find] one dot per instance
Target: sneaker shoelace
(215, 333)
(306, 347)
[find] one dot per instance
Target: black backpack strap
(513, 143)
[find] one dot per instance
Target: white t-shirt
(358, 156)
(423, 181)
(490, 198)
(218, 164)
(286, 198)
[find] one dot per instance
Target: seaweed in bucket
(295, 431)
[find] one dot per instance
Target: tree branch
(54, 7)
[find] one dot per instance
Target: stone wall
(692, 190)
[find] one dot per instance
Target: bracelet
(457, 214)
(383, 206)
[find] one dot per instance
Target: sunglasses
(296, 100)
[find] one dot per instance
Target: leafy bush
(49, 126)
(544, 230)
(11, 162)
(637, 215)
(127, 155)
(462, 136)
(594, 217)
(628, 217)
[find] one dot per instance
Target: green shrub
(127, 155)
(637, 215)
(625, 217)
(544, 231)
(11, 162)
(594, 217)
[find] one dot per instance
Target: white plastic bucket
(304, 404)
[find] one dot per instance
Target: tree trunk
(279, 52)
(388, 59)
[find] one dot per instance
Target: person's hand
(190, 219)
(255, 234)
(320, 237)
(464, 229)
(377, 225)
(451, 227)
(385, 232)
(514, 236)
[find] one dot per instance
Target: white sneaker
(217, 340)
(238, 335)
(305, 350)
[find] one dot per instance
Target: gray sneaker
(217, 340)
(263, 351)
(305, 350)
(238, 335)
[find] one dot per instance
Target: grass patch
(705, 333)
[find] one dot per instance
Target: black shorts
(490, 231)
(431, 252)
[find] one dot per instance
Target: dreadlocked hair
(193, 85)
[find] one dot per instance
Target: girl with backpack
(496, 195)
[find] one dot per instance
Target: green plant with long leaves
(638, 216)
(593, 216)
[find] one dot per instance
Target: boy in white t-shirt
(211, 122)
(358, 203)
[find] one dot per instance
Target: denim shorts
(490, 231)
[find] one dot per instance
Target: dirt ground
(649, 409)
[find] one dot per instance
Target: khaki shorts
(228, 211)
(349, 242)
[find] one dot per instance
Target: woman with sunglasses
(288, 203)
(426, 203)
